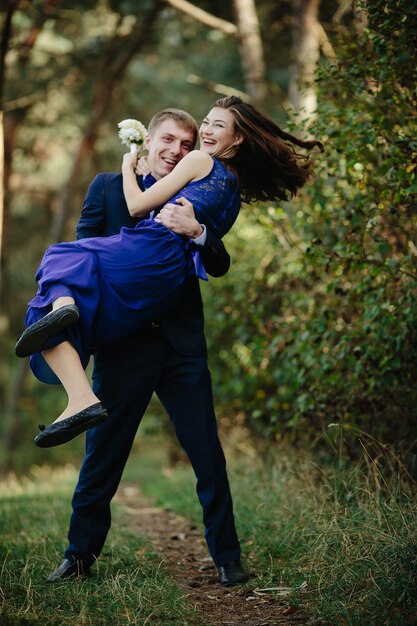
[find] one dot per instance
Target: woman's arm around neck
(193, 166)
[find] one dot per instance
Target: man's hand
(180, 218)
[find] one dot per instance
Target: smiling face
(218, 133)
(169, 143)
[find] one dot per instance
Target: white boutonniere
(133, 134)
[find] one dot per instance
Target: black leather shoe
(68, 568)
(232, 574)
(65, 430)
(34, 338)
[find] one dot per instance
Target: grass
(347, 531)
(129, 587)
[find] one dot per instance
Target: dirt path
(188, 562)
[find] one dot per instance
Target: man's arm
(91, 222)
(180, 219)
(216, 258)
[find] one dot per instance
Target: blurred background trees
(315, 322)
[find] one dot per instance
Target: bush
(322, 325)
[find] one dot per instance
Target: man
(170, 358)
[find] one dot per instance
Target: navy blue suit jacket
(105, 213)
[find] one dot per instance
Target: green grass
(129, 586)
(350, 532)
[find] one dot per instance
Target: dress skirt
(119, 283)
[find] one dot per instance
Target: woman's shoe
(34, 338)
(65, 430)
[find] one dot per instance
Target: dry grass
(129, 586)
(347, 529)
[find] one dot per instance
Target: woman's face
(217, 132)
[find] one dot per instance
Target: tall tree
(4, 47)
(308, 39)
(306, 52)
(248, 33)
(6, 34)
(251, 49)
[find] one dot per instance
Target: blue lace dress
(123, 282)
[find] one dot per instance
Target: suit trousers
(125, 377)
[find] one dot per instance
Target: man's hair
(182, 118)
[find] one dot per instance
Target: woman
(122, 282)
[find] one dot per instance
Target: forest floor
(314, 556)
(187, 561)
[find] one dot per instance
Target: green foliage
(321, 326)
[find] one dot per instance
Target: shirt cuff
(201, 239)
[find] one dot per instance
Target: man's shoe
(34, 338)
(68, 568)
(232, 574)
(65, 430)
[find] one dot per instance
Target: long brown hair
(267, 165)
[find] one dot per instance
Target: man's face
(167, 146)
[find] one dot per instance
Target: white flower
(132, 132)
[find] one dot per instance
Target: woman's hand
(142, 166)
(129, 162)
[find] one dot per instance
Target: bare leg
(65, 363)
(62, 301)
(36, 335)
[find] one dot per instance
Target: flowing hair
(266, 163)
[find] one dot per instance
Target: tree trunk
(306, 54)
(1, 196)
(4, 46)
(203, 16)
(251, 50)
(9, 412)
(11, 392)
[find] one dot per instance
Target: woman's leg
(62, 301)
(37, 334)
(64, 361)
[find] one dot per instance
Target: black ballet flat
(60, 432)
(34, 338)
